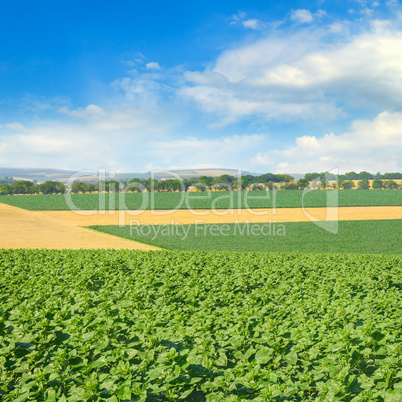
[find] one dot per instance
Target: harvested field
(89, 218)
(60, 229)
(27, 229)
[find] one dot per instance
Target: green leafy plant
(123, 325)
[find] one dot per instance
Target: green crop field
(376, 237)
(199, 326)
(218, 200)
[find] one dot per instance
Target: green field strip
(120, 325)
(218, 200)
(373, 237)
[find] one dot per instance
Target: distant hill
(41, 175)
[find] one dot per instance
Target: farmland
(27, 229)
(132, 325)
(375, 237)
(199, 200)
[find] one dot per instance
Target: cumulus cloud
(250, 23)
(143, 90)
(253, 24)
(232, 105)
(306, 73)
(88, 137)
(15, 126)
(302, 16)
(373, 145)
(153, 66)
(303, 75)
(87, 112)
(338, 27)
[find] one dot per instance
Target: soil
(27, 229)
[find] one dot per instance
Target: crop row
(367, 236)
(121, 325)
(207, 200)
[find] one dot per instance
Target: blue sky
(134, 86)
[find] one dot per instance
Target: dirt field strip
(26, 229)
(20, 228)
(88, 218)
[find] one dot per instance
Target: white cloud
(236, 18)
(373, 145)
(231, 106)
(338, 27)
(253, 24)
(392, 3)
(301, 75)
(302, 16)
(191, 151)
(249, 23)
(15, 126)
(153, 66)
(87, 112)
(320, 13)
(367, 11)
(89, 137)
(143, 89)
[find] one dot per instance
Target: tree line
(29, 187)
(364, 184)
(354, 176)
(203, 183)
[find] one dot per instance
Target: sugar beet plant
(123, 325)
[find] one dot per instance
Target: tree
(257, 186)
(112, 186)
(51, 187)
(283, 177)
(391, 184)
(363, 184)
(378, 184)
(91, 187)
(396, 175)
(348, 185)
(201, 187)
(22, 187)
(172, 184)
(365, 175)
(324, 183)
(5, 189)
(291, 186)
(207, 180)
(302, 183)
(312, 176)
(79, 187)
(350, 176)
